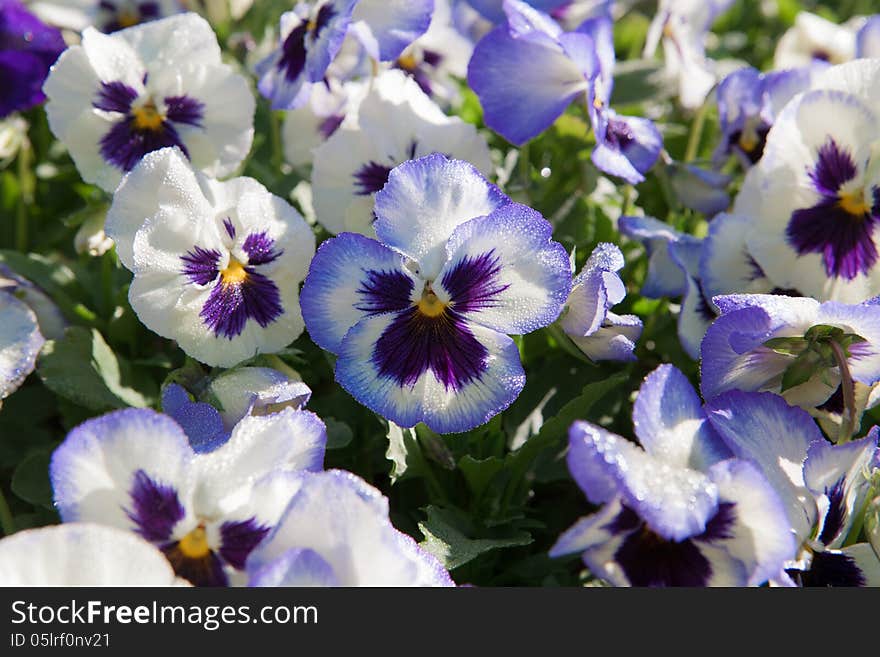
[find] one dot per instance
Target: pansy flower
(726, 265)
(748, 104)
(28, 47)
(794, 346)
(532, 52)
(104, 15)
(587, 318)
(682, 26)
(815, 41)
(814, 198)
(675, 510)
(117, 97)
(439, 58)
(419, 320)
(82, 554)
(626, 146)
(386, 27)
(394, 122)
(822, 486)
(673, 271)
(307, 127)
(216, 265)
(209, 420)
(311, 35)
(20, 343)
(336, 532)
(494, 11)
(134, 469)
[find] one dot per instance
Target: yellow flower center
(147, 117)
(407, 62)
(748, 140)
(597, 103)
(234, 274)
(195, 544)
(854, 203)
(129, 17)
(430, 306)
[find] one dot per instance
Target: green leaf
(448, 539)
(339, 434)
(801, 370)
(83, 369)
(30, 481)
(636, 81)
(479, 473)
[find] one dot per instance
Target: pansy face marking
(239, 291)
(432, 332)
(147, 124)
(127, 13)
(840, 226)
(294, 48)
(155, 509)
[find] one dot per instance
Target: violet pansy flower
(676, 510)
(28, 47)
(134, 469)
(217, 265)
(117, 97)
(419, 320)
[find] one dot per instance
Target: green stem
(7, 523)
(525, 170)
(847, 422)
(277, 147)
(24, 198)
(696, 133)
(859, 521)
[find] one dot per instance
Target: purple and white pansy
(822, 486)
(531, 51)
(587, 319)
(134, 469)
(816, 42)
(677, 510)
(336, 532)
(794, 346)
(814, 198)
(682, 26)
(216, 265)
(395, 122)
(310, 37)
(115, 98)
(419, 320)
(20, 343)
(748, 103)
(82, 554)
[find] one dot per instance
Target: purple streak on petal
(845, 241)
(834, 168)
(260, 249)
(837, 512)
(293, 57)
(330, 125)
(830, 569)
(186, 110)
(238, 539)
(414, 343)
(371, 178)
(200, 265)
(473, 282)
(384, 291)
(155, 508)
(230, 227)
(115, 97)
(230, 306)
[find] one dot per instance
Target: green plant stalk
(847, 422)
(277, 146)
(7, 523)
(24, 198)
(696, 133)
